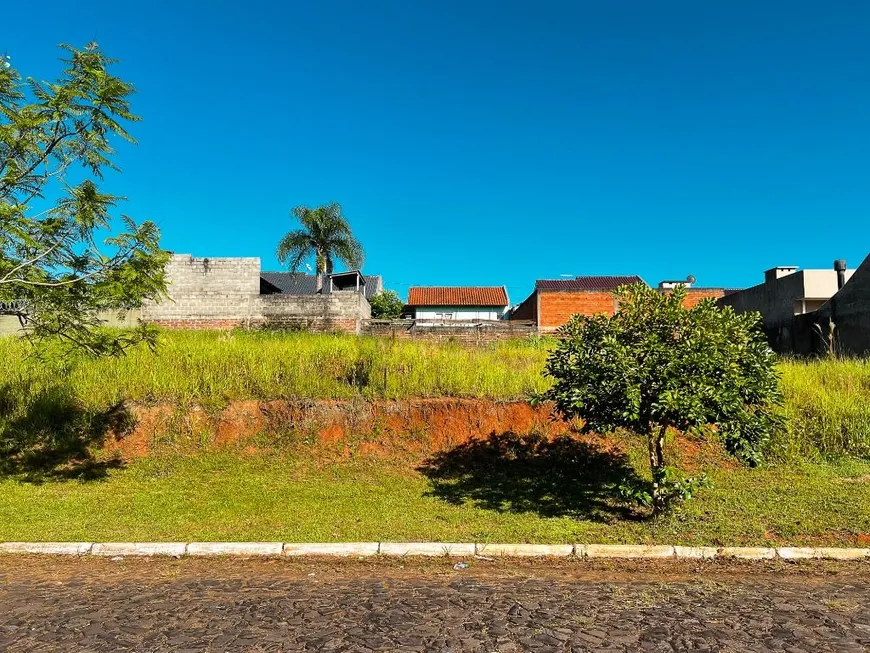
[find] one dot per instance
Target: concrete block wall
(484, 333)
(208, 293)
(849, 310)
(9, 325)
(337, 311)
(224, 293)
(775, 300)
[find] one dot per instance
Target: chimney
(778, 272)
(840, 267)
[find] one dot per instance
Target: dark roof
(293, 283)
(588, 283)
(458, 296)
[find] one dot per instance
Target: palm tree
(325, 234)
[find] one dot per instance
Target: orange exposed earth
(400, 429)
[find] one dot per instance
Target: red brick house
(554, 301)
(695, 295)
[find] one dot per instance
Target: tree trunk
(656, 442)
(320, 268)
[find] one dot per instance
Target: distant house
(232, 292)
(440, 304)
(694, 294)
(789, 293)
(554, 301)
(293, 283)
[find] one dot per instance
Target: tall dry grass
(827, 405)
(203, 367)
(827, 402)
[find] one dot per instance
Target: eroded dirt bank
(399, 429)
(376, 426)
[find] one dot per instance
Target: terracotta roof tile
(588, 283)
(457, 296)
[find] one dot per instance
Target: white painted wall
(459, 312)
(822, 284)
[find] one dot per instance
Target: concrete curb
(696, 552)
(525, 550)
(174, 549)
(53, 548)
(426, 549)
(334, 550)
(747, 553)
(235, 548)
(432, 549)
(627, 551)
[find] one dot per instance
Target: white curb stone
(526, 550)
(747, 553)
(628, 551)
(696, 552)
(835, 553)
(174, 549)
(797, 552)
(426, 549)
(435, 549)
(340, 549)
(235, 548)
(55, 548)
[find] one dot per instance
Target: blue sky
(478, 143)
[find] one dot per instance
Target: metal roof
(293, 283)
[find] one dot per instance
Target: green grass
(208, 367)
(827, 402)
(224, 496)
(817, 491)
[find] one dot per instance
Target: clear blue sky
(477, 143)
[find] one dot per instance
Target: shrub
(655, 366)
(386, 305)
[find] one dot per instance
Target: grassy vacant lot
(827, 402)
(815, 488)
(209, 367)
(279, 498)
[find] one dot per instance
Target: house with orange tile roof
(462, 303)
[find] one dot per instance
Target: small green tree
(656, 366)
(325, 235)
(60, 264)
(386, 305)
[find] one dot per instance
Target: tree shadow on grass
(531, 474)
(53, 438)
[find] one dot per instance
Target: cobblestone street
(52, 604)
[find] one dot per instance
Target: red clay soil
(399, 429)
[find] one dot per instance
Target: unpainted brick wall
(694, 296)
(201, 323)
(557, 307)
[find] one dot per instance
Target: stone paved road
(47, 604)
